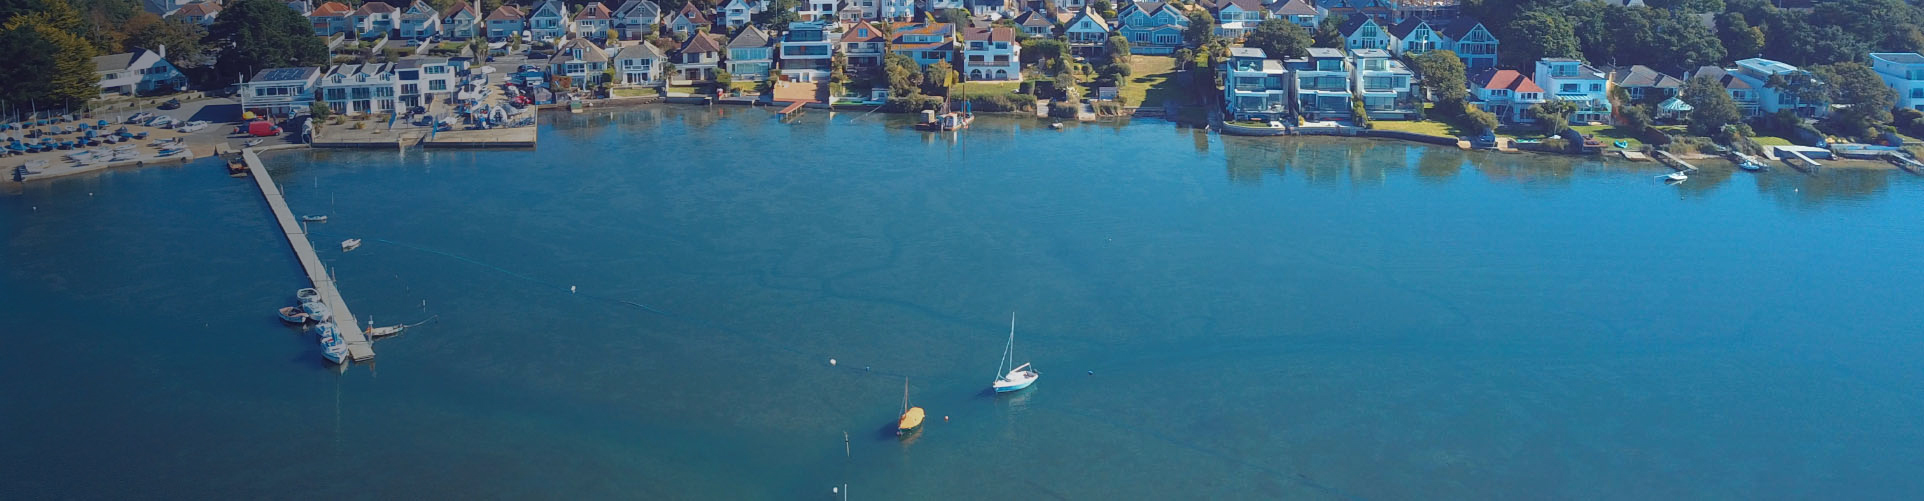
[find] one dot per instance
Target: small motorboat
(171, 151)
(1750, 165)
(318, 311)
(314, 218)
(1056, 125)
(307, 295)
(331, 345)
(1675, 177)
(350, 244)
(294, 315)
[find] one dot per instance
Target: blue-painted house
(1152, 27)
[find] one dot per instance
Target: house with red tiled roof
(331, 18)
(688, 20)
(374, 19)
(505, 21)
(862, 43)
(1506, 93)
(201, 13)
(594, 21)
(991, 54)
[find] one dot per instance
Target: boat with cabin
(314, 218)
(946, 120)
(332, 347)
(1009, 379)
(350, 244)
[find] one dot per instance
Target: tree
(1043, 49)
(1553, 115)
(1202, 28)
(611, 36)
(30, 58)
(1279, 38)
(1329, 33)
(902, 74)
(1636, 118)
(1117, 47)
(1864, 100)
(1066, 83)
(320, 110)
(69, 72)
(262, 34)
(1710, 105)
(937, 78)
(723, 78)
(1443, 75)
(957, 17)
(777, 14)
(1536, 35)
(837, 75)
(1740, 39)
(182, 40)
(1476, 120)
(514, 42)
(1103, 7)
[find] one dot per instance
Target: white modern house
(280, 92)
(738, 13)
(1255, 87)
(359, 88)
(1506, 93)
(1904, 73)
(137, 73)
(1234, 18)
(1298, 12)
(640, 64)
(1758, 71)
(991, 54)
(817, 10)
(1321, 87)
(423, 79)
(1572, 80)
(1387, 87)
(939, 5)
(808, 51)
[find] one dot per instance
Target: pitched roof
(1354, 23)
(1642, 76)
(589, 52)
(692, 13)
(996, 34)
(1034, 18)
(115, 62)
(374, 8)
(1505, 79)
(506, 13)
(640, 51)
(197, 9)
(641, 8)
(460, 6)
(420, 9)
(1245, 5)
(1461, 27)
(1403, 29)
(749, 38)
(332, 9)
(1722, 76)
(702, 43)
(1093, 16)
(1292, 8)
(861, 32)
(594, 11)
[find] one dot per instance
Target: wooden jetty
(791, 110)
(358, 347)
(1674, 162)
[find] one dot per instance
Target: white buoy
(831, 362)
(571, 289)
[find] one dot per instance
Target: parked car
(171, 104)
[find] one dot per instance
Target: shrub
(999, 102)
(912, 103)
(1556, 144)
(1064, 109)
(1362, 115)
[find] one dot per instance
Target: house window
(437, 85)
(337, 94)
(1571, 88)
(1917, 93)
(1596, 87)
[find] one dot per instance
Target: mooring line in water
(697, 322)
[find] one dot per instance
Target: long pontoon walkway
(358, 348)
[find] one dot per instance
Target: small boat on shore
(911, 416)
(314, 218)
(293, 315)
(350, 244)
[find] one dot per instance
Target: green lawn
(1149, 81)
(969, 89)
(683, 89)
(634, 92)
(1417, 126)
(1609, 134)
(1771, 141)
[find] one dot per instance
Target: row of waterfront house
(365, 88)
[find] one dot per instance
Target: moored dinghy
(307, 295)
(1015, 378)
(350, 244)
(294, 315)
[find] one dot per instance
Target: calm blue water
(1264, 318)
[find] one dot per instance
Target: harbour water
(646, 306)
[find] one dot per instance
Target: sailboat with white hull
(1012, 379)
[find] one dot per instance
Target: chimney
(163, 51)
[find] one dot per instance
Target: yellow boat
(911, 416)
